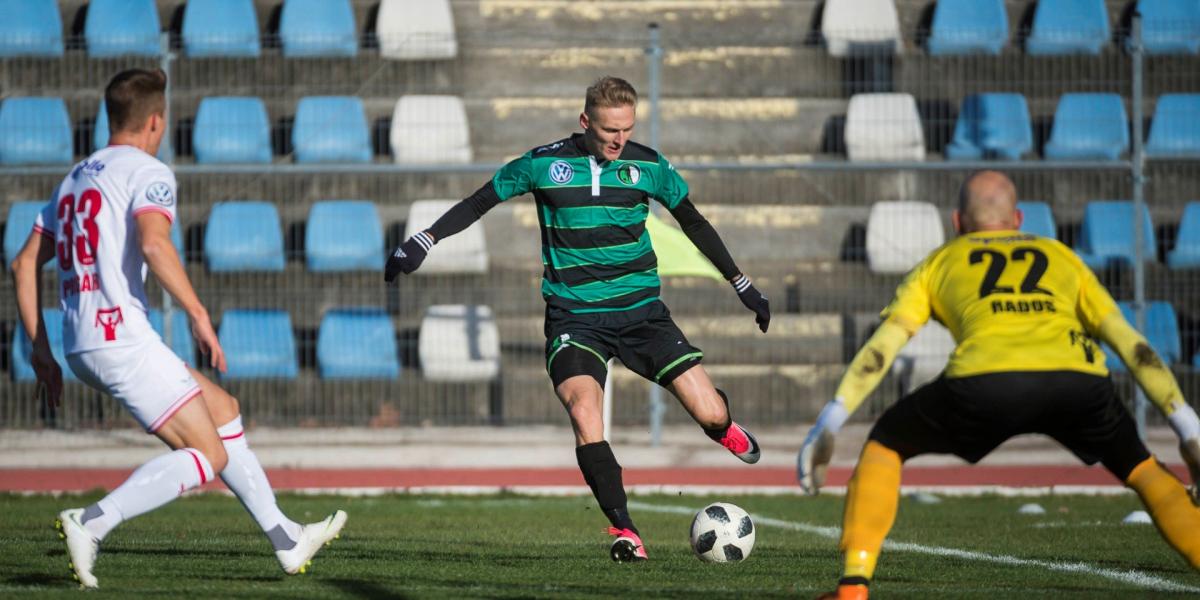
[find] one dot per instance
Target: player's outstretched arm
(705, 238)
(154, 231)
(863, 375)
(27, 279)
(407, 257)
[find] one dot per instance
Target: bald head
(987, 202)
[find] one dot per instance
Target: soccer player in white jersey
(108, 221)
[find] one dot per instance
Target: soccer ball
(722, 532)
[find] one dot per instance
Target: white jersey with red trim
(102, 272)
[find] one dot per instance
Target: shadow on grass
(38, 579)
(363, 589)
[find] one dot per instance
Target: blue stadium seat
(22, 348)
(311, 28)
(1068, 27)
(180, 342)
(18, 224)
(30, 28)
(1175, 131)
(991, 126)
(122, 27)
(1107, 234)
(35, 131)
(227, 28)
(1186, 254)
(258, 344)
(1170, 26)
(331, 129)
(968, 27)
(231, 129)
(344, 235)
(357, 344)
(1089, 127)
(1162, 331)
(1038, 219)
(243, 236)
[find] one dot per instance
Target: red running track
(71, 480)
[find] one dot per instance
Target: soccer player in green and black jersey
(601, 284)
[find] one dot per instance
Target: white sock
(159, 481)
(244, 475)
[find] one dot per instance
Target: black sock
(603, 475)
(854, 581)
(717, 433)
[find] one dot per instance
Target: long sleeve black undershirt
(462, 215)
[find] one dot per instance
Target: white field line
(1134, 578)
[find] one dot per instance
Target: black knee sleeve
(603, 474)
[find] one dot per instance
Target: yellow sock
(871, 503)
(1177, 519)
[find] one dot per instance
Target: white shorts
(147, 378)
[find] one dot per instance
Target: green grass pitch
(532, 547)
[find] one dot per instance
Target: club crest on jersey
(160, 193)
(561, 171)
(629, 174)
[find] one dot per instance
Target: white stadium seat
(924, 357)
(416, 30)
(463, 252)
(901, 234)
(883, 127)
(854, 26)
(430, 130)
(459, 342)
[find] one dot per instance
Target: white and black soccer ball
(722, 532)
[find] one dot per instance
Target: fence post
(168, 156)
(1139, 205)
(655, 53)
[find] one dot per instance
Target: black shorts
(971, 416)
(645, 339)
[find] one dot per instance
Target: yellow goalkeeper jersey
(1012, 301)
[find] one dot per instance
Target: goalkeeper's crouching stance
(1025, 313)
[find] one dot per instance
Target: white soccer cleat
(82, 548)
(313, 537)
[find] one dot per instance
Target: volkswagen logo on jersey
(629, 174)
(160, 193)
(561, 171)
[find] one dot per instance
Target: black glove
(754, 300)
(407, 257)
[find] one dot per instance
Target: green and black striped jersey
(596, 251)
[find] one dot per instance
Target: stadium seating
(860, 26)
(1175, 131)
(344, 236)
(1186, 254)
(17, 225)
(1162, 331)
(1038, 219)
(1170, 26)
(900, 234)
(122, 27)
(1106, 235)
(416, 30)
(884, 127)
(430, 129)
(331, 129)
(220, 28)
(924, 357)
(22, 348)
(465, 252)
(180, 341)
(991, 126)
(35, 131)
(243, 236)
(1068, 27)
(30, 28)
(231, 129)
(258, 344)
(357, 344)
(1089, 127)
(968, 27)
(459, 342)
(315, 28)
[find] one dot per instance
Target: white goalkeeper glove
(813, 461)
(1187, 427)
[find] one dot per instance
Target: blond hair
(609, 92)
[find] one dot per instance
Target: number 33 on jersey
(1012, 301)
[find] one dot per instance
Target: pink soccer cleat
(741, 443)
(627, 547)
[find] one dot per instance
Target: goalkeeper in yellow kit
(1025, 313)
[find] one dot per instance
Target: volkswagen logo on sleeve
(160, 193)
(561, 171)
